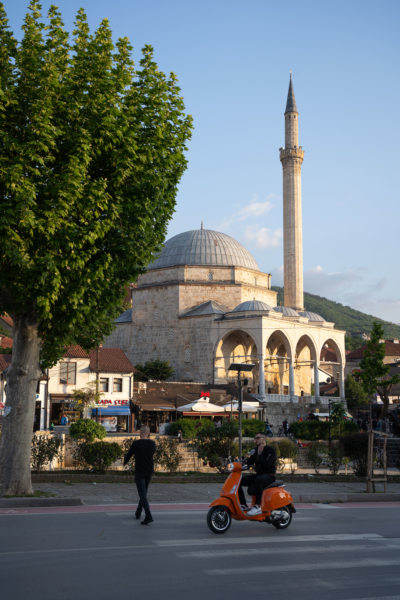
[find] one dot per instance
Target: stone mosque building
(204, 303)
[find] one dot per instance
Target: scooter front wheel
(282, 517)
(219, 519)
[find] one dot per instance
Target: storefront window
(104, 384)
(117, 384)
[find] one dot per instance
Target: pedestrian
(285, 427)
(179, 436)
(143, 449)
(64, 420)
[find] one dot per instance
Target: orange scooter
(276, 504)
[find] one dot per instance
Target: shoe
(255, 510)
(244, 507)
(137, 514)
(147, 520)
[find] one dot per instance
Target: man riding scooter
(263, 458)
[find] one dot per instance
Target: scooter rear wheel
(282, 517)
(219, 519)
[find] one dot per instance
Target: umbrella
(246, 406)
(201, 405)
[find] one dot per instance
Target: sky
(233, 59)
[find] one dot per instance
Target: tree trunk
(16, 438)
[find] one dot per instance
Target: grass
(36, 494)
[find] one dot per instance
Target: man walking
(143, 449)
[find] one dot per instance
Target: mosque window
(188, 355)
(210, 275)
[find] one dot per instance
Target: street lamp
(239, 367)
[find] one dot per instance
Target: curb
(344, 498)
(31, 502)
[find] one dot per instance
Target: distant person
(143, 449)
(64, 420)
(179, 436)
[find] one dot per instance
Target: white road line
(218, 541)
(225, 552)
(365, 563)
(375, 598)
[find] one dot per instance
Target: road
(340, 552)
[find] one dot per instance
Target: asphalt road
(340, 552)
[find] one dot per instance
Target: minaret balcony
(296, 152)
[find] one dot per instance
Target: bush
(167, 454)
(335, 458)
(186, 425)
(287, 449)
(100, 455)
(87, 430)
(315, 454)
(310, 430)
(45, 448)
(356, 448)
(252, 426)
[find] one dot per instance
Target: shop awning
(111, 411)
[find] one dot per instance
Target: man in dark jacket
(143, 450)
(263, 458)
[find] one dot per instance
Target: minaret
(292, 157)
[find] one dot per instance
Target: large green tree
(374, 372)
(91, 152)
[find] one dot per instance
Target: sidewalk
(67, 494)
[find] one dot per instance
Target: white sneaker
(255, 510)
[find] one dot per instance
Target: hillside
(344, 317)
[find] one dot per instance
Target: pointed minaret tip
(291, 101)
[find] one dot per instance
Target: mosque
(204, 304)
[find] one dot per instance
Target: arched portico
(235, 346)
(332, 360)
(306, 363)
(279, 375)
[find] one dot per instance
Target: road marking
(375, 598)
(225, 552)
(365, 563)
(337, 537)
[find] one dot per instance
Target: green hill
(344, 317)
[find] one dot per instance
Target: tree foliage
(87, 430)
(92, 149)
(374, 372)
(157, 370)
(356, 397)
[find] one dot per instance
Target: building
(204, 303)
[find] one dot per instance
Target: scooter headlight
(229, 467)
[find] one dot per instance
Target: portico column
(342, 390)
(261, 376)
(316, 380)
(291, 378)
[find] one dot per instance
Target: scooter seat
(277, 483)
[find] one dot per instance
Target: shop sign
(105, 402)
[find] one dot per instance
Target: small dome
(204, 247)
(286, 311)
(311, 316)
(252, 305)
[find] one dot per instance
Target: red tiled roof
(7, 319)
(75, 352)
(391, 349)
(110, 360)
(5, 342)
(5, 360)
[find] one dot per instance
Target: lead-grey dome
(286, 311)
(252, 305)
(311, 316)
(204, 247)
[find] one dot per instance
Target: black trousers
(142, 483)
(256, 485)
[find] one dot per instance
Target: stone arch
(236, 345)
(331, 359)
(277, 360)
(304, 363)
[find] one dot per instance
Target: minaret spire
(291, 158)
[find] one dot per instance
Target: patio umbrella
(246, 406)
(201, 405)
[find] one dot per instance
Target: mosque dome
(204, 247)
(286, 311)
(252, 305)
(311, 316)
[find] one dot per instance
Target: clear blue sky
(232, 59)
